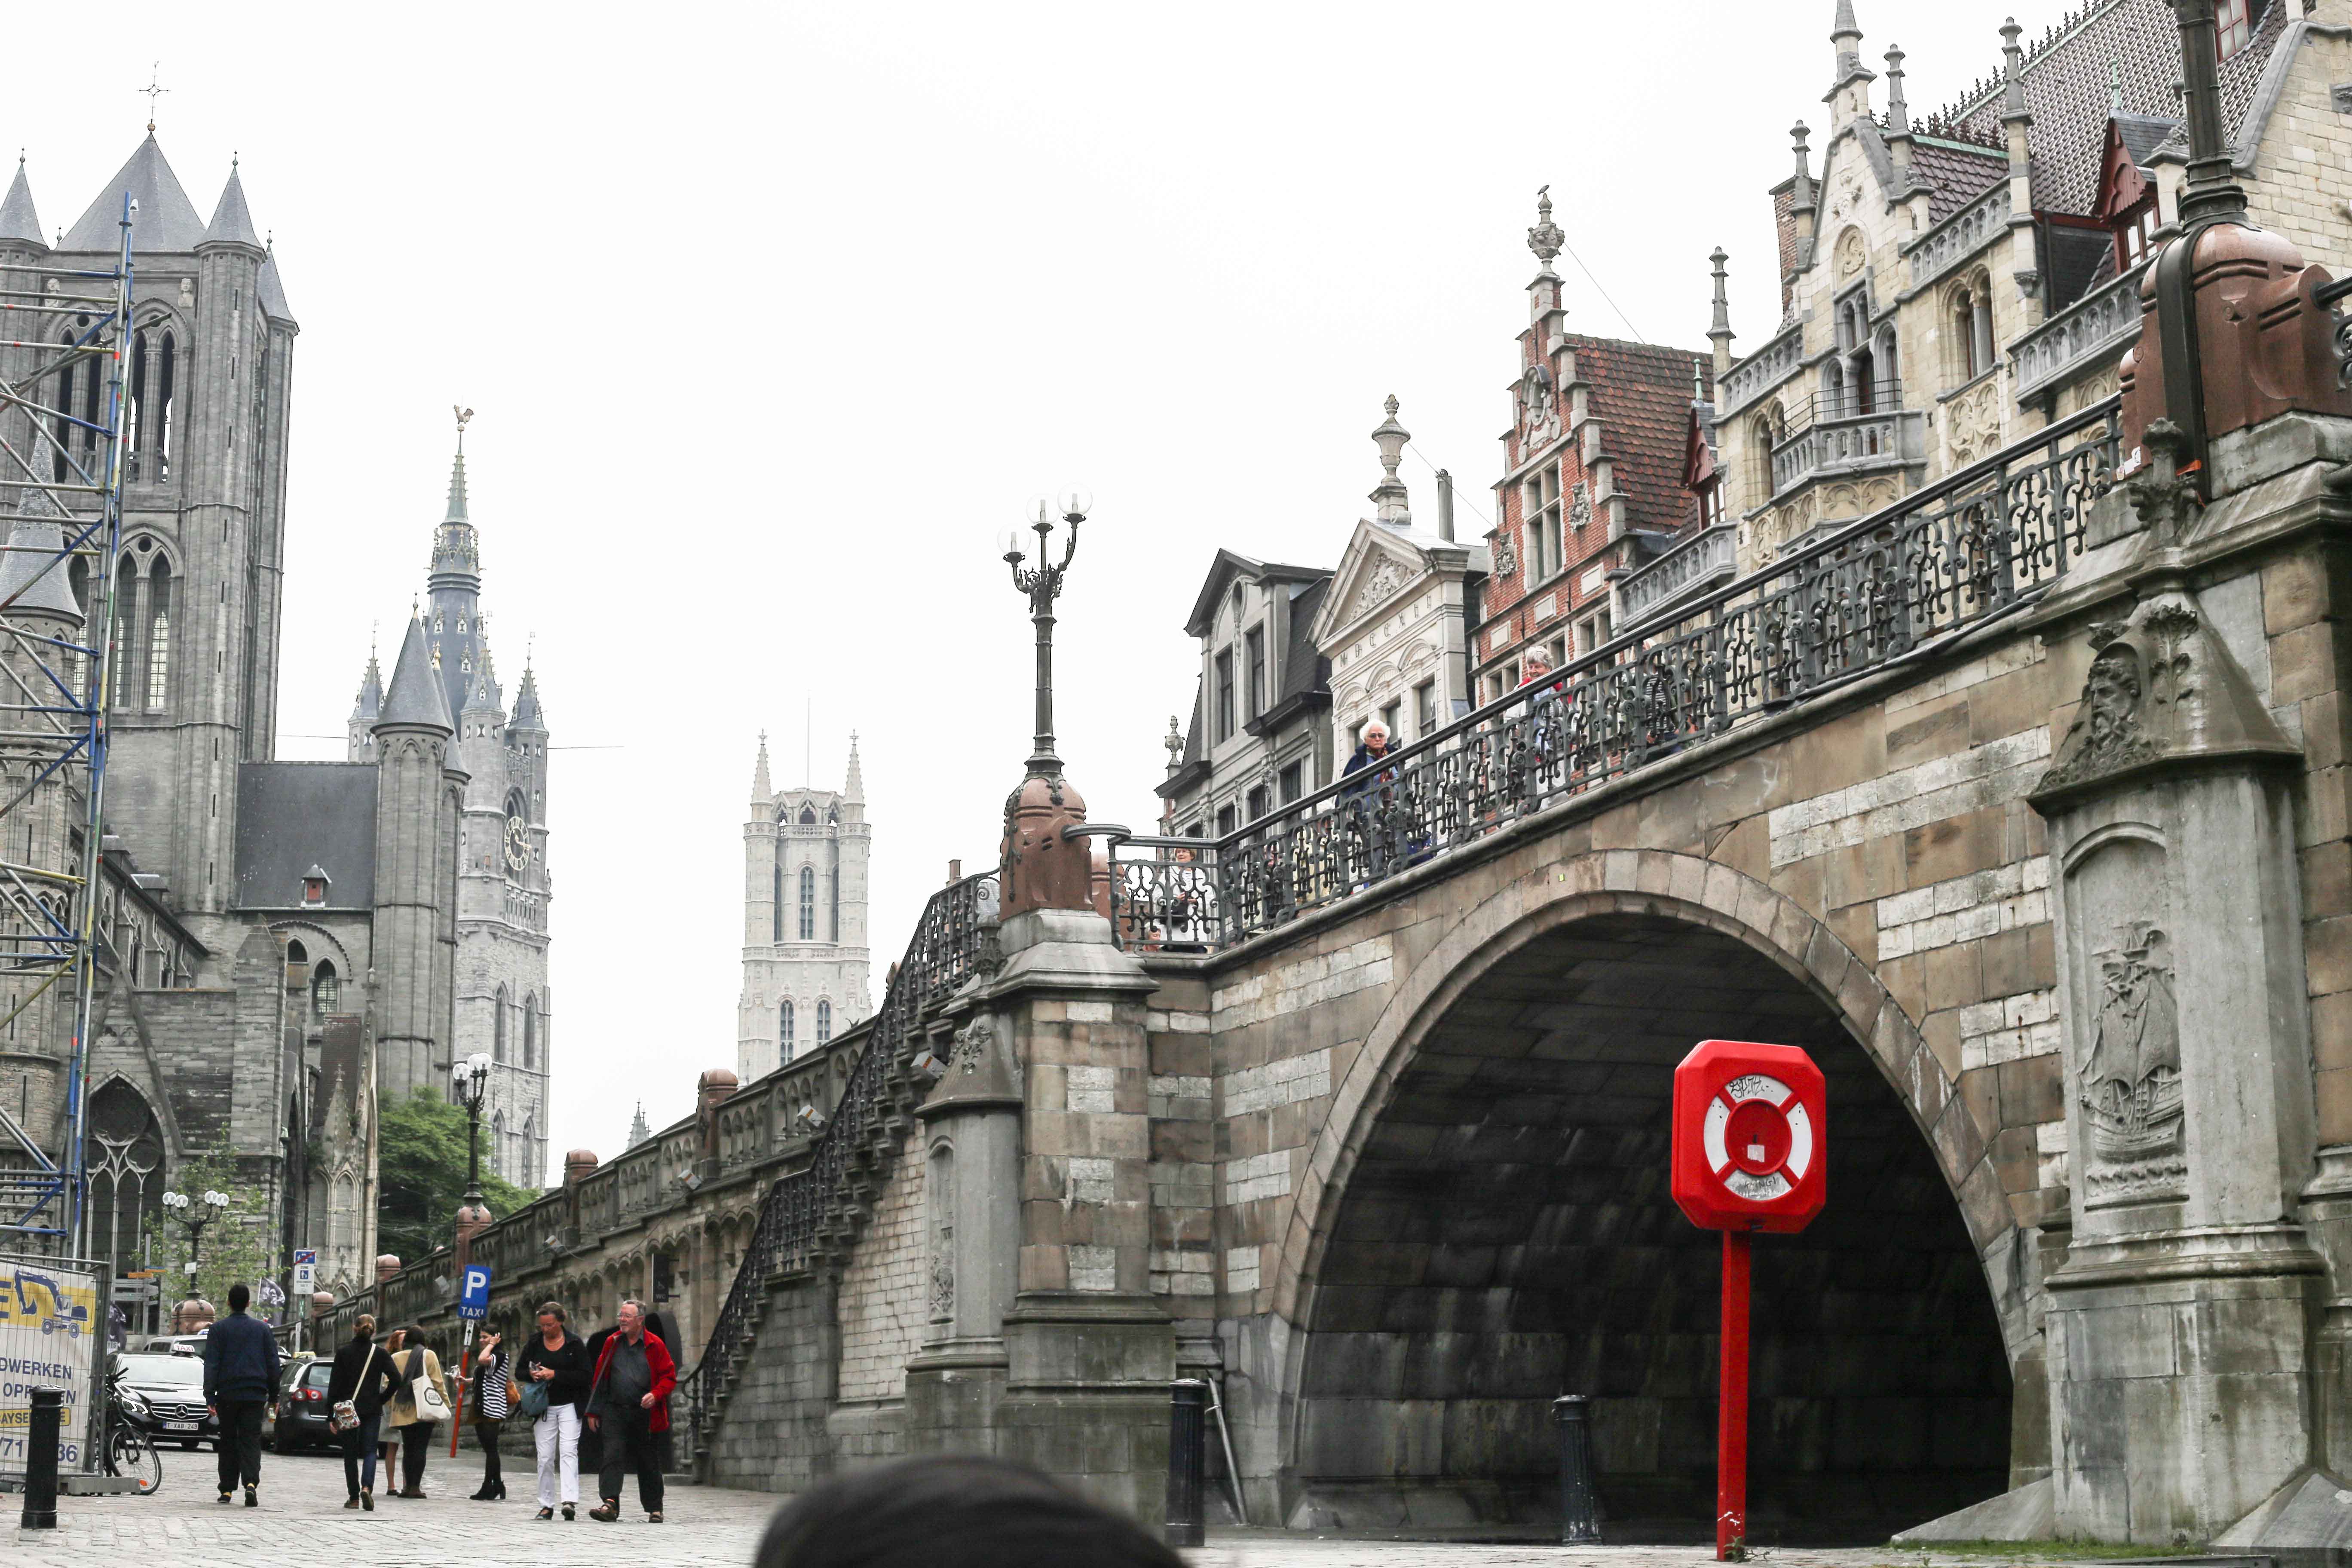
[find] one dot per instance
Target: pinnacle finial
(1719, 324)
(1898, 109)
(1546, 238)
(1389, 495)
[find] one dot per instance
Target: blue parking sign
(474, 1293)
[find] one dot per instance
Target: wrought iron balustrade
(1940, 561)
(954, 942)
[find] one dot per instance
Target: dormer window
(314, 887)
(2234, 26)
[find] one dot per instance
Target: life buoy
(1758, 1138)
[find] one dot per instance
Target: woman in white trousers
(557, 1361)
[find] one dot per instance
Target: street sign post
(473, 1306)
(1750, 1153)
(306, 1270)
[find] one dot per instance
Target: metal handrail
(954, 941)
(1942, 560)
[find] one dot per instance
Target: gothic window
(90, 409)
(833, 814)
(159, 632)
(498, 1028)
(158, 432)
(124, 1156)
(1972, 330)
(137, 431)
(61, 426)
(808, 816)
(529, 1032)
(326, 989)
(808, 903)
(823, 1022)
(784, 1033)
(776, 909)
(296, 953)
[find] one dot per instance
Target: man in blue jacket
(241, 1364)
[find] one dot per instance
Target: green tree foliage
(240, 1247)
(421, 1175)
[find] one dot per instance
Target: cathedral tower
(804, 900)
(419, 791)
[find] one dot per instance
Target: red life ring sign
(1750, 1126)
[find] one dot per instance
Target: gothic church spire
(19, 223)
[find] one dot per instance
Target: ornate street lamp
(1043, 584)
(195, 1212)
(469, 1085)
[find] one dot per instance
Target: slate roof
(2143, 134)
(1641, 392)
(18, 218)
(1956, 173)
(292, 816)
(167, 219)
(271, 290)
(231, 219)
(527, 714)
(2070, 90)
(414, 696)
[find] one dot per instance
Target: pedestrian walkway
(301, 1521)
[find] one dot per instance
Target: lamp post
(469, 1084)
(195, 1212)
(1043, 584)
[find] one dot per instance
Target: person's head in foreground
(953, 1511)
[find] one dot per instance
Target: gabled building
(1395, 627)
(1261, 729)
(1592, 488)
(1949, 283)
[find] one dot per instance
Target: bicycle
(122, 1448)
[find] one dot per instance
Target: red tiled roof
(1641, 392)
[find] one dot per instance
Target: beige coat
(405, 1369)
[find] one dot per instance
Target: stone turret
(416, 828)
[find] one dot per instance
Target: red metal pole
(1731, 1421)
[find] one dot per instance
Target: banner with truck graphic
(52, 1330)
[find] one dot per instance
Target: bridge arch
(1483, 1223)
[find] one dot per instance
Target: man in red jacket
(628, 1404)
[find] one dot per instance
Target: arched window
(784, 1033)
(61, 426)
(530, 1031)
(124, 1156)
(159, 632)
(498, 1028)
(808, 903)
(808, 816)
(823, 1022)
(776, 912)
(136, 433)
(159, 425)
(326, 989)
(296, 953)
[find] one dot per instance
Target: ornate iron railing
(809, 1210)
(1944, 559)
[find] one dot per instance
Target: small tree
(421, 1173)
(239, 1247)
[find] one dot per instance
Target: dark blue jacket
(241, 1359)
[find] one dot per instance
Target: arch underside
(1507, 1235)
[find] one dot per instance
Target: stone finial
(1720, 325)
(386, 1266)
(1546, 237)
(1898, 107)
(1801, 195)
(762, 791)
(579, 1162)
(1173, 742)
(1389, 495)
(2012, 55)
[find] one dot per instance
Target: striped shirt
(491, 1377)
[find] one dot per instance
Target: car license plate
(181, 1426)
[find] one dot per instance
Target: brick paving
(301, 1521)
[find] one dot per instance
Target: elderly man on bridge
(628, 1403)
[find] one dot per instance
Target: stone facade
(806, 962)
(1261, 734)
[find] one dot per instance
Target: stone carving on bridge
(973, 1043)
(2131, 1084)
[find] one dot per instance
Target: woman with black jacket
(555, 1360)
(363, 1374)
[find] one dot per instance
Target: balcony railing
(1941, 560)
(1851, 430)
(1760, 372)
(2106, 318)
(1698, 559)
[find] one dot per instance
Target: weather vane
(464, 417)
(151, 92)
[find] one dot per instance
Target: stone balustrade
(1860, 445)
(1706, 557)
(2106, 320)
(1958, 237)
(1762, 371)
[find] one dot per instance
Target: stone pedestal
(2181, 1386)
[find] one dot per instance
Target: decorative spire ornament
(1546, 237)
(1389, 496)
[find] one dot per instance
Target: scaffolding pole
(61, 454)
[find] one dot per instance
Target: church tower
(420, 786)
(805, 908)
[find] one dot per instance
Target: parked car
(170, 1344)
(172, 1390)
(297, 1418)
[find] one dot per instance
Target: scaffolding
(64, 337)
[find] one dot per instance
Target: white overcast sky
(776, 317)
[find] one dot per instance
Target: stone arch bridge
(2022, 805)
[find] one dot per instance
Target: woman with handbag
(491, 1403)
(551, 1376)
(356, 1391)
(420, 1403)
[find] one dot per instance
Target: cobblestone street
(301, 1521)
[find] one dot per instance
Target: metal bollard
(1579, 1521)
(41, 1460)
(1188, 1461)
